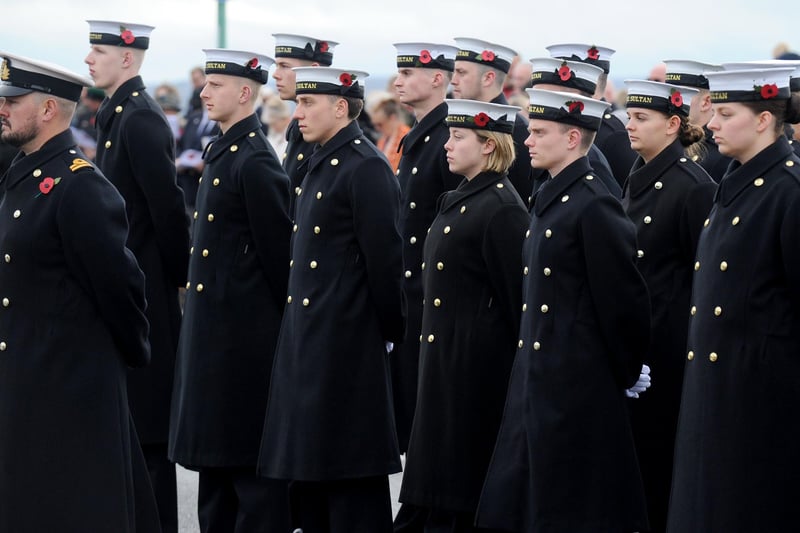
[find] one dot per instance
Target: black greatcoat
(736, 466)
(423, 175)
(667, 199)
(237, 288)
(329, 415)
(135, 152)
(600, 167)
(564, 459)
(612, 139)
(295, 161)
(473, 288)
(72, 321)
(520, 174)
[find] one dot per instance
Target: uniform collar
(739, 177)
(23, 165)
(435, 118)
(108, 107)
(224, 142)
(342, 137)
(293, 134)
(468, 188)
(554, 188)
(644, 175)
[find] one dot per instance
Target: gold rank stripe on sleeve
(78, 164)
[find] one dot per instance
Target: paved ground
(187, 499)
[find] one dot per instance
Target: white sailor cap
(573, 74)
(240, 63)
(117, 33)
(480, 115)
(484, 53)
(304, 47)
(329, 80)
(664, 97)
(426, 55)
(566, 108)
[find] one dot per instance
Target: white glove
(390, 347)
(641, 384)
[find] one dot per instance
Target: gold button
(648, 219)
(706, 223)
(548, 233)
(697, 266)
(565, 198)
(211, 217)
(420, 338)
(437, 302)
(639, 253)
(547, 271)
(299, 157)
(357, 141)
(712, 357)
(735, 221)
(440, 266)
(413, 240)
(537, 345)
(690, 356)
(723, 266)
(423, 266)
(525, 271)
(545, 308)
(317, 229)
(717, 311)
(790, 163)
(108, 144)
(6, 302)
(200, 179)
(607, 116)
(215, 182)
(319, 195)
(520, 344)
(313, 264)
(658, 185)
(463, 209)
(306, 302)
(195, 215)
(589, 177)
(205, 253)
(408, 274)
(431, 338)
(8, 258)
(3, 346)
(291, 263)
(427, 138)
(524, 307)
(412, 205)
(17, 213)
(446, 230)
(294, 228)
(334, 162)
(234, 148)
(527, 234)
(118, 109)
(693, 311)
(188, 285)
(298, 191)
(199, 287)
(499, 185)
(135, 93)
(252, 134)
(37, 173)
(289, 300)
(414, 170)
(683, 160)
(758, 182)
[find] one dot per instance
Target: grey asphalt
(187, 499)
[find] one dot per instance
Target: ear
(340, 108)
(245, 94)
(573, 138)
(489, 77)
(764, 121)
(437, 79)
(49, 110)
(127, 58)
(488, 147)
(705, 102)
(673, 124)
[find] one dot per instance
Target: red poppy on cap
(346, 79)
(481, 119)
(487, 55)
(593, 53)
(564, 73)
(575, 107)
(127, 36)
(676, 98)
(253, 63)
(323, 46)
(769, 91)
(425, 57)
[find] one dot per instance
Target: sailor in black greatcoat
(135, 151)
(235, 294)
(667, 196)
(564, 459)
(72, 321)
(736, 467)
(423, 73)
(329, 425)
(297, 51)
(472, 288)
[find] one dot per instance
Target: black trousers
(236, 500)
(360, 505)
(165, 488)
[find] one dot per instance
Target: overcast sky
(643, 32)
